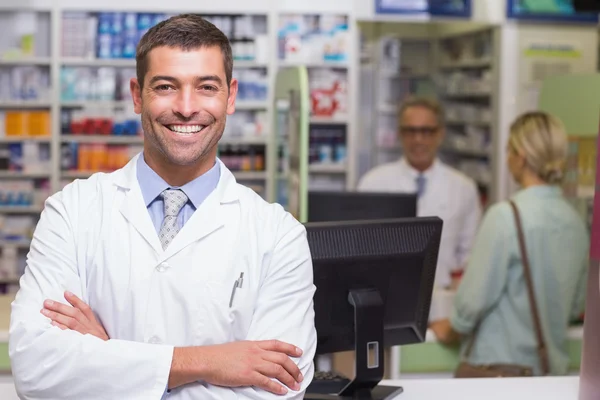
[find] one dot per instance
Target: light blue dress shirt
(152, 186)
(494, 288)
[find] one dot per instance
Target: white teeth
(186, 128)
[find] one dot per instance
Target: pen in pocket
(237, 284)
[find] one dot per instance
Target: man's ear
(233, 89)
(136, 95)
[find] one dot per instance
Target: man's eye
(163, 88)
(209, 88)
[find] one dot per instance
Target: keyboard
(325, 382)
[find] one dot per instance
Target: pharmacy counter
(550, 388)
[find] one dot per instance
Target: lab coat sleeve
(580, 293)
(49, 363)
(472, 218)
(486, 275)
(284, 309)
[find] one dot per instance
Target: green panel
(434, 357)
(4, 359)
(575, 99)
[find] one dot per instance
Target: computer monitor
(374, 284)
(326, 206)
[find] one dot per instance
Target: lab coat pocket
(214, 319)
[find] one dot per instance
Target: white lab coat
(449, 194)
(96, 239)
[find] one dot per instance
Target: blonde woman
(493, 292)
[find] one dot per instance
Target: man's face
(183, 104)
(420, 136)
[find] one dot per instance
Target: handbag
(468, 370)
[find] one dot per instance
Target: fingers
(61, 319)
(60, 308)
(80, 304)
(284, 367)
(58, 325)
(280, 347)
(265, 383)
(277, 371)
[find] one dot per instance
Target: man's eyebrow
(162, 78)
(214, 78)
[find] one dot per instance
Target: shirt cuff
(165, 359)
(460, 324)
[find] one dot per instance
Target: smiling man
(442, 191)
(167, 278)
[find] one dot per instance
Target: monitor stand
(369, 354)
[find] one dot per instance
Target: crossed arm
(71, 357)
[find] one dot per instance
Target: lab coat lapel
(209, 217)
(133, 208)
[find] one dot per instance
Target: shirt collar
(197, 190)
(415, 173)
(544, 191)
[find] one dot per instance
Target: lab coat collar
(209, 217)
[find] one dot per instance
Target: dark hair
(187, 32)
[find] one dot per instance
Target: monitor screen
(550, 10)
(326, 206)
(374, 284)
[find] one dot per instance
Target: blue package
(129, 45)
(15, 160)
(104, 23)
(116, 48)
(117, 22)
(104, 45)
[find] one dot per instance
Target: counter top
(547, 388)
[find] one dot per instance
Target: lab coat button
(155, 340)
(162, 267)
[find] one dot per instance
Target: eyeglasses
(427, 131)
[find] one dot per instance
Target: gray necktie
(420, 181)
(174, 200)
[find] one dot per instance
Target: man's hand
(238, 364)
(78, 318)
(444, 332)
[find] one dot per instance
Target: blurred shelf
(314, 64)
(99, 62)
(20, 139)
(30, 104)
(96, 104)
(468, 64)
(467, 122)
(4, 281)
(329, 120)
(20, 210)
(327, 168)
(466, 152)
(20, 244)
(251, 105)
(250, 175)
(77, 174)
(108, 139)
(23, 175)
(249, 64)
(41, 61)
(250, 140)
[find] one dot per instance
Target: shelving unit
(457, 68)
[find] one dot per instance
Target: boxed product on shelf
(112, 35)
(327, 144)
(243, 157)
(313, 38)
(100, 121)
(23, 193)
(90, 84)
(246, 123)
(97, 157)
(24, 83)
(25, 123)
(30, 157)
(253, 84)
(328, 92)
(25, 34)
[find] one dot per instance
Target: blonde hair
(541, 139)
(425, 102)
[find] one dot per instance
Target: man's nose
(187, 104)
